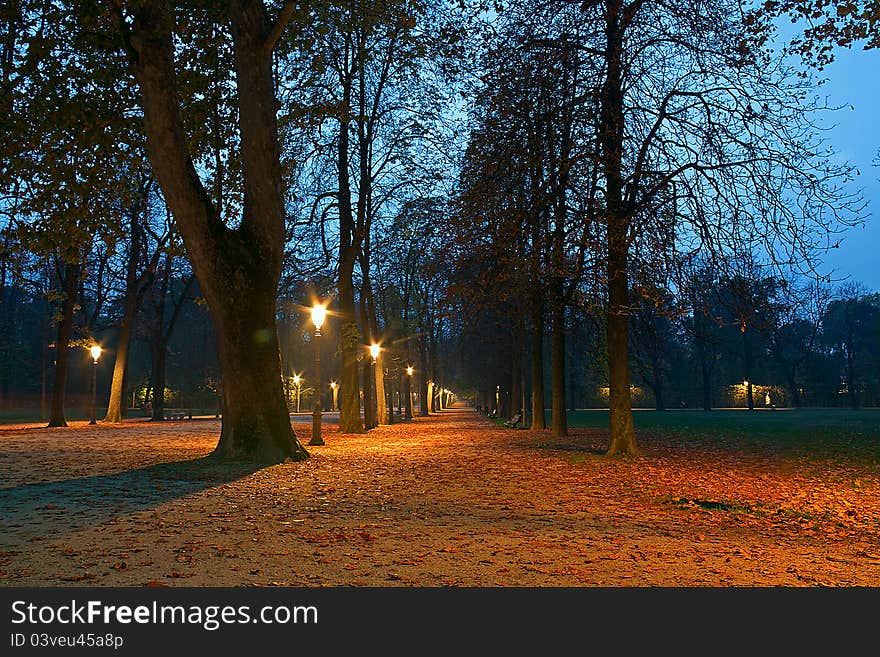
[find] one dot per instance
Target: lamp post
(389, 397)
(407, 409)
(374, 354)
(319, 313)
(297, 380)
(335, 388)
(95, 351)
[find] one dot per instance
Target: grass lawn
(820, 432)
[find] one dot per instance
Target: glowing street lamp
(95, 351)
(375, 350)
(407, 392)
(297, 380)
(319, 313)
(335, 388)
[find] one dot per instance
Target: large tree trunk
(559, 421)
(349, 336)
(371, 414)
(238, 269)
(69, 288)
(44, 364)
(623, 439)
(116, 403)
(538, 421)
(371, 325)
(349, 391)
(6, 318)
(252, 391)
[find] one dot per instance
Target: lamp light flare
(410, 370)
(374, 350)
(334, 385)
(319, 314)
(95, 351)
(297, 378)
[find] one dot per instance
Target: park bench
(515, 420)
(177, 414)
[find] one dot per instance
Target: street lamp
(407, 409)
(95, 351)
(335, 388)
(297, 380)
(374, 354)
(319, 313)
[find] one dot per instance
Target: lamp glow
(374, 350)
(95, 351)
(409, 370)
(319, 314)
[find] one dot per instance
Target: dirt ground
(441, 501)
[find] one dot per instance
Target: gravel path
(440, 501)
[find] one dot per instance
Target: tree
(70, 144)
(140, 266)
(829, 25)
(694, 110)
(238, 267)
(847, 327)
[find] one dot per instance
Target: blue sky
(854, 79)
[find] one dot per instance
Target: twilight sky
(854, 79)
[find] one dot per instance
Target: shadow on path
(57, 506)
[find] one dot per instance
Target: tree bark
(372, 327)
(538, 421)
(623, 440)
(368, 375)
(238, 269)
(69, 287)
(349, 391)
(116, 403)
